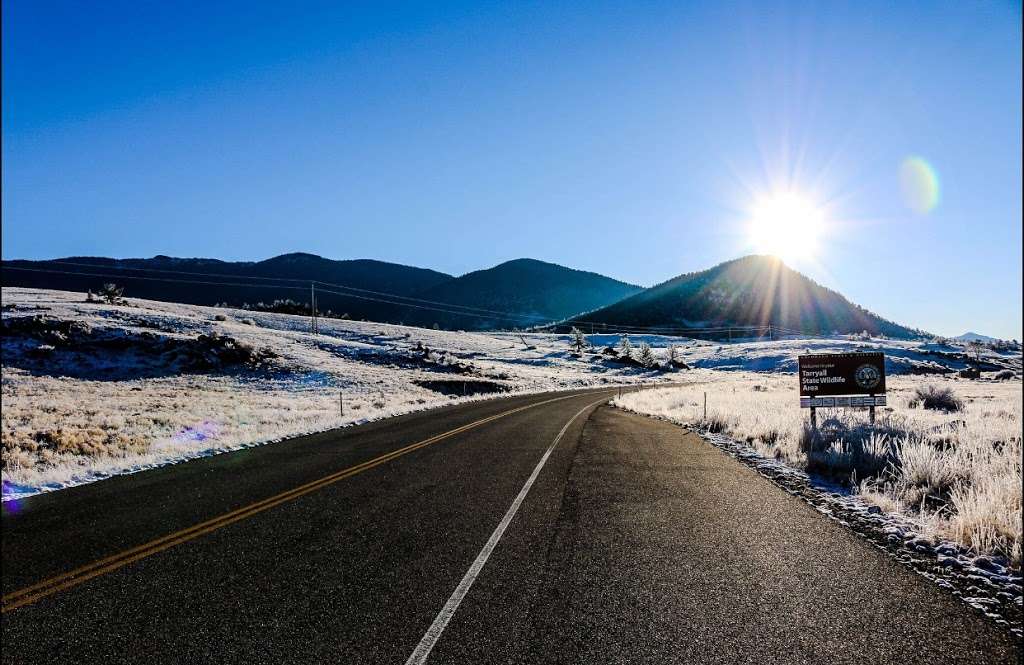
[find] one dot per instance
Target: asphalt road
(630, 541)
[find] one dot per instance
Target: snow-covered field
(91, 390)
(780, 356)
(957, 474)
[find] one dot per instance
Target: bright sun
(786, 225)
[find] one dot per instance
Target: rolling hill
(198, 281)
(532, 291)
(517, 293)
(975, 337)
(750, 291)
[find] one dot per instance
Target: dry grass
(80, 411)
(957, 470)
(55, 429)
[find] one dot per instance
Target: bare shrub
(841, 447)
(715, 423)
(937, 399)
(929, 470)
(1004, 375)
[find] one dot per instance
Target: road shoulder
(668, 550)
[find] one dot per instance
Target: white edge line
(433, 634)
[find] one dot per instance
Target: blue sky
(631, 139)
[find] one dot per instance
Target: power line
(155, 279)
(294, 279)
(435, 309)
(173, 272)
(389, 298)
(251, 286)
(607, 328)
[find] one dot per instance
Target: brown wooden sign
(824, 376)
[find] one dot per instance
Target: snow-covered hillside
(901, 357)
(92, 389)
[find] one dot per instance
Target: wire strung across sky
(101, 270)
(393, 296)
(302, 281)
(393, 299)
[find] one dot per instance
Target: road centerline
(433, 634)
(76, 576)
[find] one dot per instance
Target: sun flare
(786, 225)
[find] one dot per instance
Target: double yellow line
(58, 583)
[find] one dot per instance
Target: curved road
(539, 529)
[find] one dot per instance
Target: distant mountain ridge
(749, 291)
(517, 293)
(202, 281)
(536, 291)
(975, 337)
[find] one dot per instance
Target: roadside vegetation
(98, 386)
(945, 452)
(95, 385)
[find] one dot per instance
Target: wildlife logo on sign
(867, 376)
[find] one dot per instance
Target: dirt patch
(457, 387)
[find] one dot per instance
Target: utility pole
(312, 308)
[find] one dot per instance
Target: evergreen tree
(625, 347)
(112, 293)
(578, 340)
(646, 357)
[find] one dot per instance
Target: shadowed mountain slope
(518, 293)
(200, 281)
(750, 291)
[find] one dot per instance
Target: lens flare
(920, 185)
(197, 433)
(12, 506)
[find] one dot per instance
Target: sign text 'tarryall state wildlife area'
(842, 379)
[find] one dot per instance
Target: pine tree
(112, 293)
(646, 358)
(578, 340)
(625, 348)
